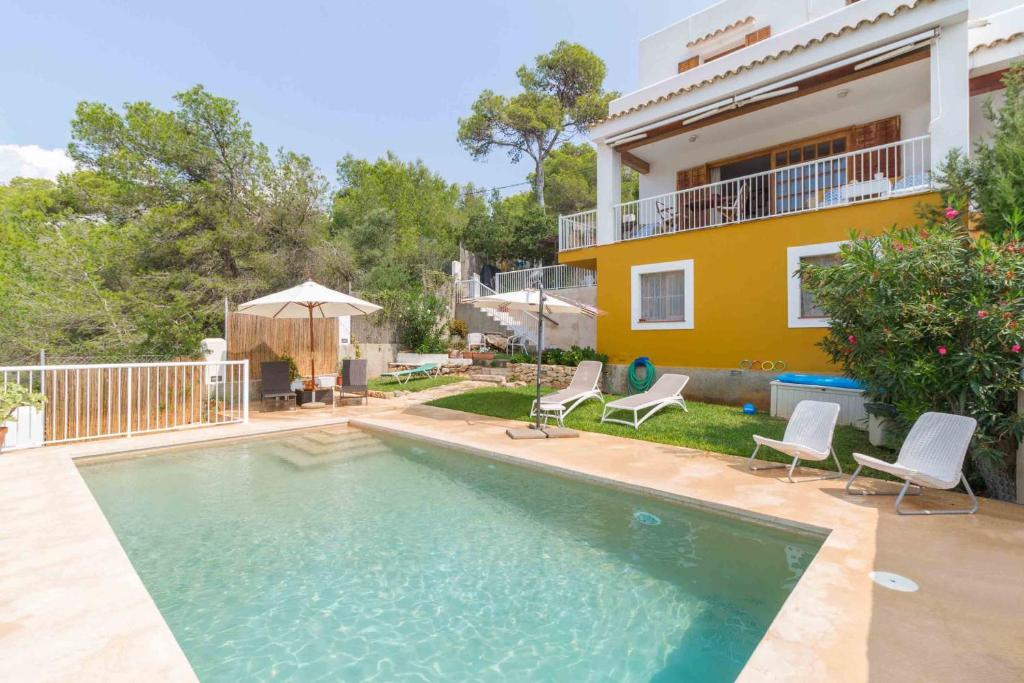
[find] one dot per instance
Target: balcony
(877, 173)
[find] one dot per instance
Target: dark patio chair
(276, 384)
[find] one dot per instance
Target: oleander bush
(929, 318)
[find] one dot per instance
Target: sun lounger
(932, 455)
(808, 437)
(667, 391)
(403, 376)
(582, 387)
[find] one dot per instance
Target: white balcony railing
(122, 399)
(881, 172)
(553, 277)
(577, 230)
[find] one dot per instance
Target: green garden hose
(638, 385)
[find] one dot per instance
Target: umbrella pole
(540, 353)
(312, 360)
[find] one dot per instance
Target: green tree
(513, 228)
(571, 179)
(397, 213)
(998, 165)
(168, 212)
(562, 96)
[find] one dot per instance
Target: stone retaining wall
(554, 376)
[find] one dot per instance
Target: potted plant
(881, 422)
(12, 397)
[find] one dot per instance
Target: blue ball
(749, 409)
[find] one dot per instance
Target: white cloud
(32, 161)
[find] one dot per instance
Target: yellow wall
(740, 287)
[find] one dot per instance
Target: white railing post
(245, 390)
(129, 428)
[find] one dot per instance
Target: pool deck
(72, 607)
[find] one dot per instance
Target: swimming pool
(352, 556)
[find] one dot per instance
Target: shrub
(458, 328)
(293, 368)
(571, 357)
(931, 319)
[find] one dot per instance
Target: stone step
(485, 370)
(492, 379)
(302, 460)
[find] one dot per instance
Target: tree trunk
(1020, 453)
(538, 183)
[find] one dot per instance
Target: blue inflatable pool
(820, 380)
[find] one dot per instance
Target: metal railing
(124, 399)
(577, 230)
(881, 172)
(553, 277)
(521, 324)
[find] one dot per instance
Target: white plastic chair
(808, 437)
(476, 341)
(932, 455)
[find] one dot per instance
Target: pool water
(353, 557)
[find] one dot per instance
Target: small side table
(319, 396)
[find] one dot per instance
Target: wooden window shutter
(759, 35)
(885, 162)
(876, 133)
(690, 63)
(692, 177)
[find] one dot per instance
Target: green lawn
(722, 429)
(417, 384)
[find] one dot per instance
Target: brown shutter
(692, 177)
(759, 35)
(873, 134)
(690, 63)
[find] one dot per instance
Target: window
(803, 310)
(662, 296)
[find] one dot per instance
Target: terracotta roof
(998, 41)
(900, 9)
(718, 32)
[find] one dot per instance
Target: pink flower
(943, 351)
(1015, 348)
(982, 314)
(851, 339)
(951, 213)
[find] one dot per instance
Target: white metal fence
(123, 399)
(554, 277)
(577, 230)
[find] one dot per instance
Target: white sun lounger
(582, 387)
(932, 455)
(808, 437)
(667, 391)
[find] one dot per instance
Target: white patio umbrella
(308, 300)
(535, 301)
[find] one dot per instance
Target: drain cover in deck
(894, 582)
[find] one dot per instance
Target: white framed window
(662, 296)
(803, 309)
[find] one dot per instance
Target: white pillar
(609, 191)
(950, 93)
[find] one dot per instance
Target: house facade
(763, 133)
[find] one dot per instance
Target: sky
(320, 78)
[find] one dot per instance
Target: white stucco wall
(661, 52)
